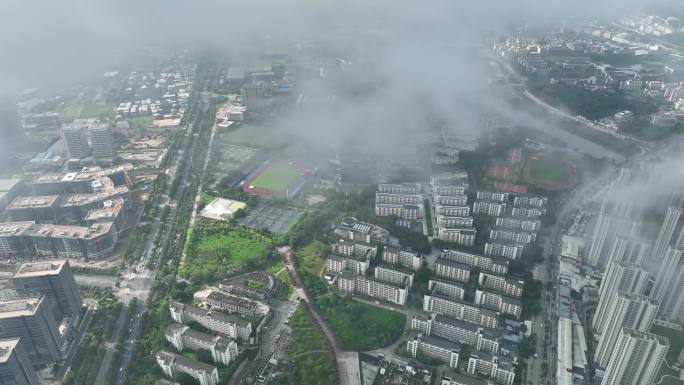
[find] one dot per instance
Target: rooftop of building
(19, 307)
(216, 295)
(456, 323)
(6, 348)
(76, 232)
(179, 360)
(111, 209)
(221, 317)
(446, 281)
(397, 268)
(33, 202)
(14, 228)
(448, 262)
(450, 374)
(439, 342)
(33, 269)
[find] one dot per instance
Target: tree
(528, 346)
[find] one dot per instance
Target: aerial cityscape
(342, 193)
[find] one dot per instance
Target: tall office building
(619, 278)
(666, 232)
(31, 320)
(636, 359)
(54, 280)
(607, 228)
(628, 250)
(74, 141)
(632, 311)
(102, 141)
(669, 273)
(15, 367)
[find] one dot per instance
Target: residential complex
(506, 249)
(396, 256)
(15, 366)
(352, 229)
(173, 364)
(459, 236)
(499, 369)
(619, 278)
(395, 275)
(506, 285)
(462, 332)
(484, 263)
(460, 310)
(499, 302)
(225, 324)
(635, 359)
(446, 288)
(223, 350)
(350, 283)
(432, 347)
(452, 270)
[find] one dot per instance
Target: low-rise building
(352, 229)
(413, 199)
(233, 304)
(225, 324)
(394, 275)
(355, 249)
(403, 188)
(396, 256)
(451, 222)
(452, 270)
(528, 212)
(223, 350)
(485, 263)
(514, 236)
(451, 377)
(500, 369)
(506, 249)
(436, 348)
(502, 284)
(493, 196)
(450, 200)
(454, 211)
(173, 364)
(411, 212)
(358, 284)
(458, 331)
(518, 223)
(530, 200)
(336, 263)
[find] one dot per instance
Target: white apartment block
(491, 208)
(500, 234)
(460, 236)
(225, 324)
(451, 200)
(447, 288)
(530, 200)
(501, 284)
(336, 263)
(223, 350)
(436, 348)
(462, 332)
(636, 358)
(484, 263)
(403, 188)
(493, 196)
(448, 190)
(394, 275)
(355, 249)
(449, 221)
(411, 199)
(518, 223)
(528, 212)
(499, 369)
(358, 284)
(619, 278)
(452, 270)
(406, 258)
(173, 364)
(454, 211)
(410, 212)
(460, 310)
(508, 250)
(499, 302)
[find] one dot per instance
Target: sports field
(551, 170)
(277, 176)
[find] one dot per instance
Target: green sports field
(277, 176)
(551, 170)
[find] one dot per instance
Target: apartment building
(495, 265)
(460, 236)
(513, 236)
(454, 211)
(619, 278)
(528, 212)
(506, 249)
(458, 331)
(489, 207)
(233, 304)
(450, 200)
(223, 350)
(460, 310)
(446, 288)
(505, 285)
(636, 358)
(448, 190)
(173, 364)
(410, 212)
(352, 229)
(336, 263)
(355, 249)
(452, 270)
(403, 188)
(225, 324)
(394, 275)
(102, 141)
(436, 348)
(396, 256)
(499, 302)
(74, 141)
(518, 223)
(499, 369)
(450, 222)
(497, 196)
(412, 199)
(358, 284)
(451, 377)
(530, 200)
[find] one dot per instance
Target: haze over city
(342, 192)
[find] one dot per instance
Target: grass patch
(360, 326)
(220, 249)
(140, 122)
(552, 170)
(275, 267)
(312, 257)
(259, 136)
(277, 176)
(285, 278)
(313, 368)
(676, 338)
